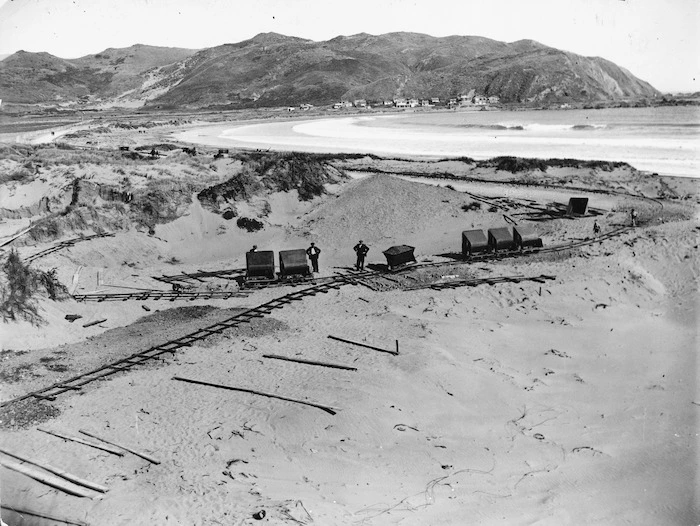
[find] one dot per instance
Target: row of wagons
(499, 239)
(260, 265)
(293, 264)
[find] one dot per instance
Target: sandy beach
(573, 401)
(660, 140)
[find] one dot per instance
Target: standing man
(633, 214)
(254, 249)
(596, 228)
(361, 250)
(313, 251)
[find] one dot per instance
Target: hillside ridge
(271, 69)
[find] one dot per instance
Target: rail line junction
(319, 286)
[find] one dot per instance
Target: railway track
(542, 278)
(372, 279)
(161, 295)
(63, 244)
(76, 383)
(496, 256)
(232, 274)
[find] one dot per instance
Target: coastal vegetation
(19, 287)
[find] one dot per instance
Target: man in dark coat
(361, 250)
(313, 251)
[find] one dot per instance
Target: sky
(657, 40)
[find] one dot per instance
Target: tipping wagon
(501, 239)
(474, 241)
(399, 256)
(260, 266)
(526, 236)
(293, 264)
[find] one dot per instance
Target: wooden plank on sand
(310, 362)
(94, 323)
(81, 441)
(51, 480)
(133, 451)
(57, 471)
(22, 511)
(362, 345)
(260, 393)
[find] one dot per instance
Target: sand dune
(569, 402)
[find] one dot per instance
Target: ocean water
(664, 140)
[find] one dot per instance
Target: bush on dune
(523, 164)
(19, 287)
(160, 202)
(243, 185)
(276, 172)
(297, 171)
(18, 153)
(20, 174)
(251, 225)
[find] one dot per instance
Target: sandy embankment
(570, 402)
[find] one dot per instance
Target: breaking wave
(534, 127)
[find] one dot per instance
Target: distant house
(494, 99)
(388, 103)
(342, 104)
(480, 100)
(453, 102)
(291, 108)
(305, 107)
(413, 103)
(360, 103)
(435, 100)
(401, 103)
(425, 102)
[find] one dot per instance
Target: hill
(43, 78)
(277, 70)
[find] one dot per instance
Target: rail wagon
(474, 241)
(526, 236)
(260, 266)
(577, 206)
(293, 263)
(501, 239)
(399, 255)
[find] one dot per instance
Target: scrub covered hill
(273, 70)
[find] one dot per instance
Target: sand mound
(384, 211)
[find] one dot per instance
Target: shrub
(22, 173)
(516, 164)
(474, 205)
(241, 186)
(249, 224)
(20, 286)
(276, 172)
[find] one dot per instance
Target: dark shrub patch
(20, 284)
(474, 205)
(249, 224)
